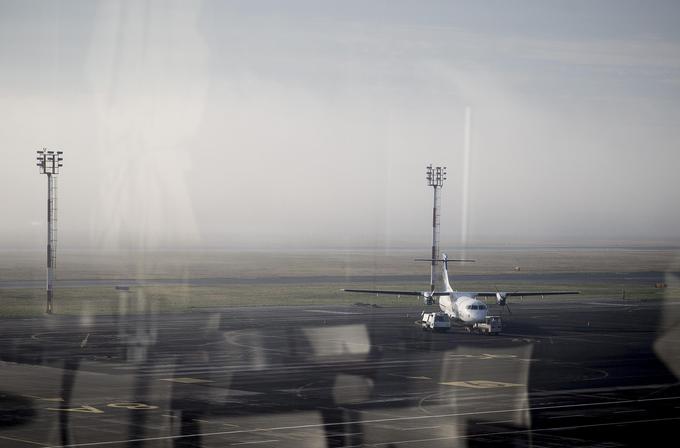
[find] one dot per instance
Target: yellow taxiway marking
(480, 384)
(187, 380)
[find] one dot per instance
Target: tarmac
(576, 373)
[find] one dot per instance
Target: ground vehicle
(435, 321)
(491, 325)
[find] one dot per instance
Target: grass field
(350, 264)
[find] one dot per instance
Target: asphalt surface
(561, 374)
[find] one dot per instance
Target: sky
(309, 124)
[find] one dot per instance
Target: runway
(577, 373)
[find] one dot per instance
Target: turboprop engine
(500, 299)
(427, 298)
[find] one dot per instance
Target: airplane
(462, 307)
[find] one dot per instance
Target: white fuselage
(460, 306)
(463, 308)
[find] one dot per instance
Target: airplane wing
(522, 293)
(502, 296)
(398, 293)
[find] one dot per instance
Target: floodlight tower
(435, 179)
(49, 163)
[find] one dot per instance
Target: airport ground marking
(492, 356)
(132, 406)
(186, 380)
(481, 356)
(85, 409)
(255, 442)
(388, 427)
(331, 312)
(522, 431)
(42, 398)
(410, 377)
(84, 341)
(496, 422)
(480, 384)
(16, 439)
(415, 417)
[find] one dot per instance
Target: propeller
(501, 299)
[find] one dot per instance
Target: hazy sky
(258, 124)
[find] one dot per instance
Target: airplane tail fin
(442, 284)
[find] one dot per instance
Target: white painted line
(388, 427)
(330, 312)
(253, 443)
(21, 440)
(595, 390)
(567, 416)
(632, 410)
(480, 384)
(41, 398)
(410, 377)
(385, 400)
(609, 304)
(84, 341)
(407, 418)
(495, 422)
(422, 427)
(521, 431)
(186, 380)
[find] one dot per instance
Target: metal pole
(50, 248)
(435, 179)
(49, 163)
(435, 234)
